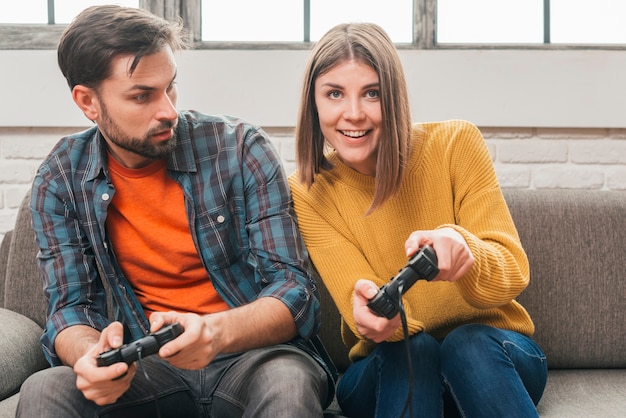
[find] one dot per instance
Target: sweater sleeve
(500, 271)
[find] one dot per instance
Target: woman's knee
(470, 339)
(420, 345)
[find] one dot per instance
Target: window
(49, 12)
(300, 21)
(531, 22)
(584, 22)
(490, 21)
(425, 24)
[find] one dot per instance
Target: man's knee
(42, 383)
(290, 372)
(48, 392)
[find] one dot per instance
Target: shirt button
(105, 196)
(221, 219)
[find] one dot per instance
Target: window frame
(46, 36)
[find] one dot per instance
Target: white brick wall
(536, 158)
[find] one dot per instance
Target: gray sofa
(576, 244)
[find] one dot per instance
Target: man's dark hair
(100, 33)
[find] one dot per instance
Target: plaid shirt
(240, 215)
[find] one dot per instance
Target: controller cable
(145, 374)
(405, 330)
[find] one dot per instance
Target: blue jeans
(269, 382)
(476, 371)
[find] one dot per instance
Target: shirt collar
(181, 158)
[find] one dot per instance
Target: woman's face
(347, 98)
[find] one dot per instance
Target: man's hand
(371, 326)
(196, 347)
(454, 258)
(266, 321)
(103, 385)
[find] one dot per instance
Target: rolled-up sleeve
(277, 248)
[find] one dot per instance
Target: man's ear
(87, 100)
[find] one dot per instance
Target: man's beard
(139, 146)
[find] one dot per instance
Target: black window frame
(46, 36)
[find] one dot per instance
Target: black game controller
(150, 344)
(422, 265)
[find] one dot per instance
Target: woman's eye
(334, 94)
(373, 94)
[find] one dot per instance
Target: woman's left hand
(454, 257)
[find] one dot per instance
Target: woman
(371, 189)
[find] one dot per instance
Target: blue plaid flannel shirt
(239, 210)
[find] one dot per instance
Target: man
(181, 217)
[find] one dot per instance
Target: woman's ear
(87, 100)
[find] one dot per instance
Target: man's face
(137, 113)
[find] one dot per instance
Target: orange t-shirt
(148, 228)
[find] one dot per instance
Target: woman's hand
(369, 325)
(454, 257)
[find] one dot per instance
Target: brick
(15, 171)
(568, 177)
(532, 151)
(507, 133)
(15, 195)
(35, 147)
(571, 133)
(513, 176)
(616, 178)
(598, 152)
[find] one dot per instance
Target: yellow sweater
(449, 182)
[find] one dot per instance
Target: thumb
(366, 288)
(112, 336)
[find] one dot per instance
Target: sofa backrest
(576, 244)
(23, 288)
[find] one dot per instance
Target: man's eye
(140, 98)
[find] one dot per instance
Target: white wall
(551, 119)
(528, 88)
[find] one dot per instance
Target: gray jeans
(278, 381)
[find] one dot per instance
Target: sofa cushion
(576, 247)
(20, 351)
(584, 393)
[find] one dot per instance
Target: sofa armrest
(21, 353)
(4, 261)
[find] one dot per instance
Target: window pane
(24, 11)
(395, 16)
(490, 21)
(36, 11)
(584, 22)
(66, 10)
(253, 20)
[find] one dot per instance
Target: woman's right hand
(368, 324)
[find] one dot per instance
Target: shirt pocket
(219, 238)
